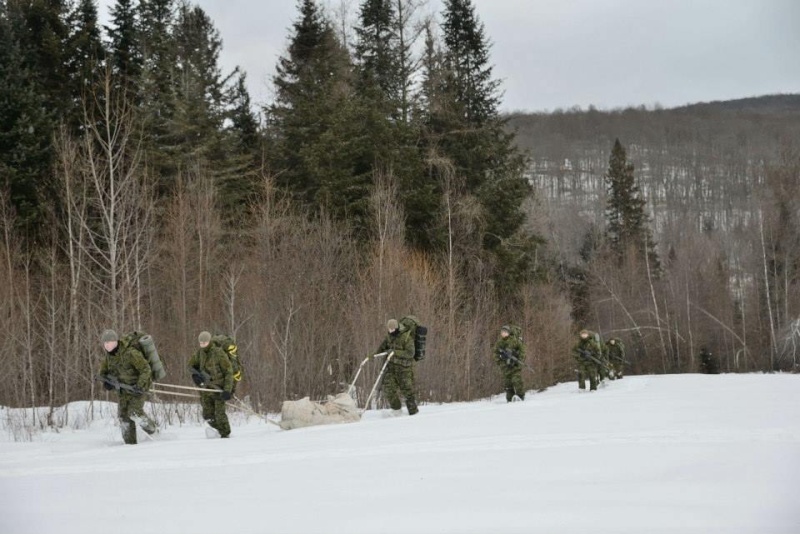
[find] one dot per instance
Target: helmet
(392, 325)
(204, 337)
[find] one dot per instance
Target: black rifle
(588, 356)
(620, 359)
(116, 384)
(506, 356)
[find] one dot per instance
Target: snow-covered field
(647, 454)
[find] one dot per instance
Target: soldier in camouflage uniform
(400, 371)
(211, 368)
(509, 353)
(585, 351)
(708, 363)
(615, 357)
(126, 369)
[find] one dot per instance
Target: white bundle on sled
(341, 408)
(305, 412)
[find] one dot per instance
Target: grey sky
(562, 53)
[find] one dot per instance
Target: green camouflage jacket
(512, 344)
(615, 352)
(589, 344)
(403, 346)
(128, 366)
(216, 365)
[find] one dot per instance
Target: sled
(341, 408)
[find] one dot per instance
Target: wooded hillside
(140, 188)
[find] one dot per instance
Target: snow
(646, 454)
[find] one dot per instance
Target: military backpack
(144, 343)
(228, 345)
(419, 334)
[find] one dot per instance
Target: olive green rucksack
(418, 332)
(144, 343)
(228, 345)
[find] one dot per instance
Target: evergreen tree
(627, 223)
(125, 47)
(25, 129)
(243, 122)
(465, 126)
(85, 58)
(239, 188)
(36, 95)
(156, 88)
(40, 28)
(467, 61)
(198, 88)
(389, 138)
(376, 54)
(315, 122)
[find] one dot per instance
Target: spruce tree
(156, 88)
(315, 123)
(389, 136)
(627, 223)
(85, 59)
(198, 89)
(377, 55)
(464, 125)
(34, 95)
(125, 47)
(25, 130)
(239, 187)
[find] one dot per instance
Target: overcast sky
(561, 53)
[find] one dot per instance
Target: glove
(198, 380)
(226, 395)
(107, 386)
(137, 391)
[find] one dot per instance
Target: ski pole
(383, 370)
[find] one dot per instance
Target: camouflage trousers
(130, 410)
(512, 381)
(398, 380)
(214, 413)
(617, 368)
(588, 370)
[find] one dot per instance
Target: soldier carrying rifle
(588, 355)
(509, 355)
(125, 369)
(615, 357)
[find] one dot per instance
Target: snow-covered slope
(647, 454)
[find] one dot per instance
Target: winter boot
(411, 404)
(211, 429)
(128, 429)
(145, 423)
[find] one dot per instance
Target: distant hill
(717, 153)
(769, 104)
